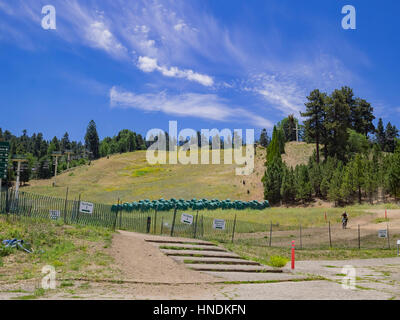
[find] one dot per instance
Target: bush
(277, 261)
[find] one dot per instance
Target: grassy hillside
(130, 177)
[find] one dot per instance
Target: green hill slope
(129, 177)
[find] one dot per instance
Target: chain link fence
(379, 236)
(28, 205)
(200, 225)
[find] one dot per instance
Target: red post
(325, 216)
(385, 214)
(293, 255)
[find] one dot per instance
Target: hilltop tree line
(38, 151)
(357, 160)
(289, 130)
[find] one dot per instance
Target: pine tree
(336, 124)
(392, 177)
(362, 117)
(370, 179)
(315, 173)
(380, 136)
(391, 134)
(264, 141)
(302, 182)
(327, 169)
(288, 190)
(273, 150)
(357, 168)
(347, 185)
(65, 143)
(272, 180)
(92, 142)
(288, 127)
(281, 141)
(315, 114)
(334, 192)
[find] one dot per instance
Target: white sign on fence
(55, 214)
(86, 207)
(382, 233)
(219, 224)
(186, 218)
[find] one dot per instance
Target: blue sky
(205, 63)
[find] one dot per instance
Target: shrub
(277, 261)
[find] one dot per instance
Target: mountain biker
(345, 218)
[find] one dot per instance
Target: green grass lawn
(74, 251)
(130, 177)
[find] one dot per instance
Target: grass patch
(40, 292)
(65, 284)
(380, 220)
(85, 286)
(329, 266)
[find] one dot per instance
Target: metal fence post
(7, 203)
(173, 223)
(359, 237)
(65, 207)
(330, 238)
(116, 216)
(162, 224)
(202, 226)
(270, 234)
(195, 225)
(155, 221)
(301, 242)
(120, 219)
(387, 231)
(148, 224)
(234, 227)
(77, 209)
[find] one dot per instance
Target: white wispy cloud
(205, 106)
(147, 64)
(284, 94)
(147, 29)
(101, 37)
(175, 39)
(285, 86)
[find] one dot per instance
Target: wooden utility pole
(18, 159)
(68, 153)
(56, 155)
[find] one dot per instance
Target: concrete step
(210, 260)
(231, 268)
(200, 253)
(194, 242)
(196, 247)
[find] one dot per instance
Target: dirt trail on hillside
(140, 261)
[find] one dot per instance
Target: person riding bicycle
(345, 218)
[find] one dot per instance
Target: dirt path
(143, 262)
